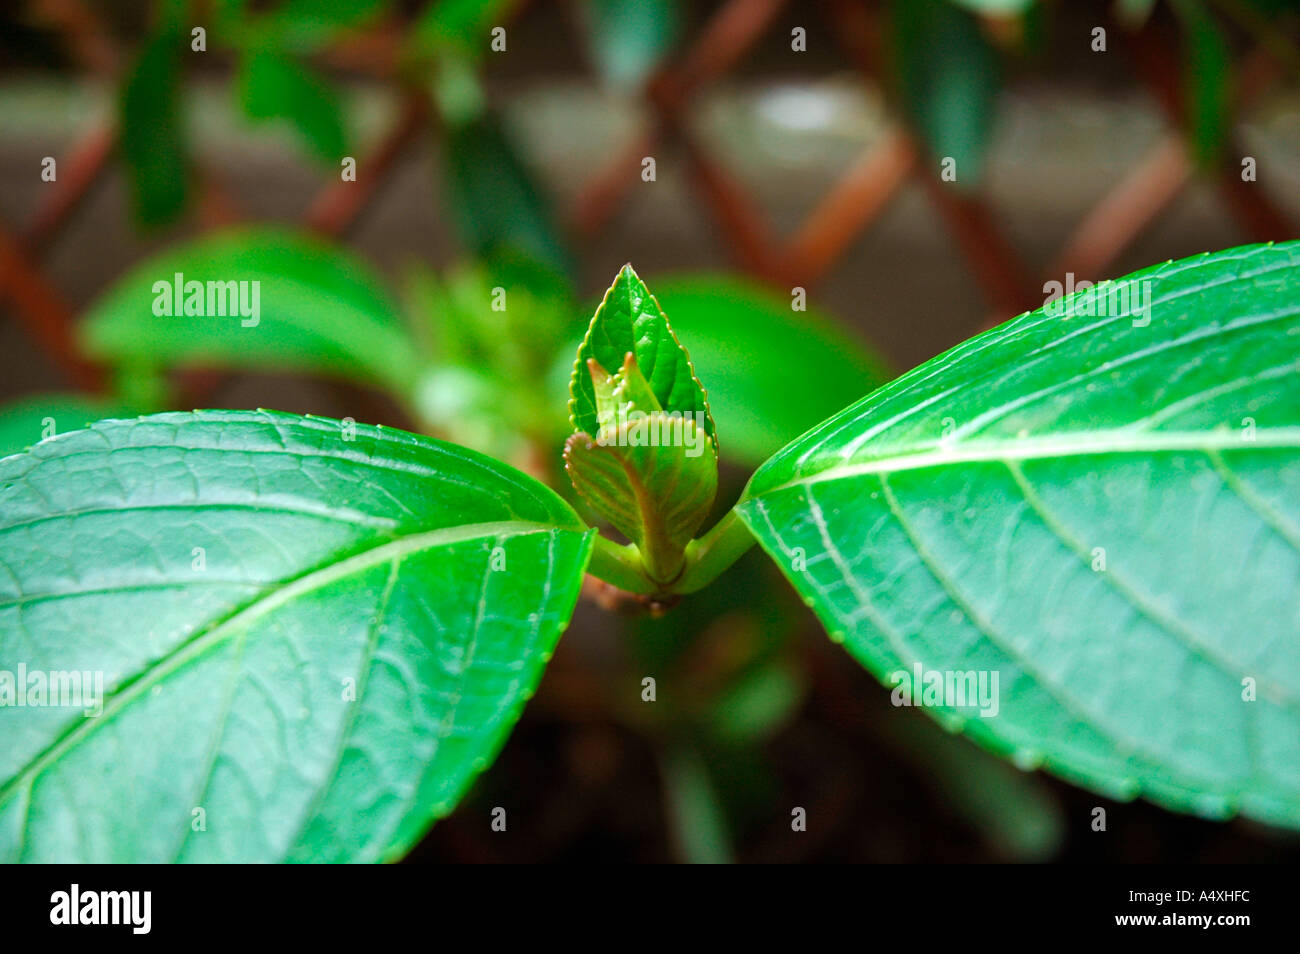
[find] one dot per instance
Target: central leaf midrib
(206, 638)
(1018, 329)
(1075, 444)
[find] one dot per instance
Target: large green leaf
(320, 309)
(315, 632)
(1101, 508)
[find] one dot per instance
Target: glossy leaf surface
(630, 321)
(312, 635)
(1100, 504)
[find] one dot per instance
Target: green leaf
(457, 89)
(996, 8)
(1133, 14)
(654, 479)
(448, 43)
(757, 704)
(697, 816)
(152, 137)
(630, 321)
(773, 372)
(30, 420)
(629, 38)
(311, 23)
(1207, 75)
(320, 310)
(949, 78)
(315, 632)
(644, 455)
(273, 86)
(140, 387)
(464, 26)
(1102, 509)
(496, 207)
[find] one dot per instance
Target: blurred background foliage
(499, 149)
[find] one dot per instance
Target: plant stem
(706, 558)
(620, 566)
(712, 553)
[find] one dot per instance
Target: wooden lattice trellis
(848, 208)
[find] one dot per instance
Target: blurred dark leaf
(1266, 7)
(628, 38)
(309, 23)
(152, 137)
(497, 209)
(504, 317)
(542, 280)
(698, 822)
(273, 86)
(949, 76)
(1133, 14)
(464, 25)
(758, 704)
(1207, 77)
(1033, 33)
(457, 88)
(999, 8)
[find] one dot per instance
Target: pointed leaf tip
(629, 320)
(644, 454)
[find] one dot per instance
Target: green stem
(714, 552)
(706, 558)
(620, 566)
